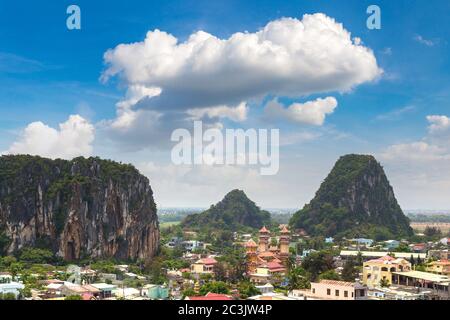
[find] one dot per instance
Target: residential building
(306, 253)
(174, 242)
(7, 286)
(268, 272)
(126, 293)
(338, 290)
(394, 293)
(391, 244)
(436, 286)
(266, 288)
(376, 270)
(107, 277)
(439, 254)
(204, 266)
(134, 276)
(53, 288)
(191, 245)
(72, 289)
(362, 242)
(439, 267)
(245, 237)
(155, 292)
(122, 267)
(105, 289)
(329, 240)
(380, 254)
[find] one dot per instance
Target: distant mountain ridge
(233, 212)
(355, 199)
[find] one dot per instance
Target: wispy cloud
(387, 51)
(427, 42)
(12, 63)
(395, 114)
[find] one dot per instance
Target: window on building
(346, 294)
(314, 290)
(328, 292)
(336, 293)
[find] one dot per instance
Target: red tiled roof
(284, 230)
(91, 289)
(274, 266)
(251, 244)
(49, 281)
(87, 296)
(266, 254)
(212, 296)
(382, 259)
(261, 260)
(440, 263)
(264, 230)
(338, 283)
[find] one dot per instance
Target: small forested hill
(355, 199)
(234, 212)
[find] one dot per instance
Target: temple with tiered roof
(265, 259)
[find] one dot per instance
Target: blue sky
(48, 73)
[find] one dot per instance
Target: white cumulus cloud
(216, 78)
(287, 57)
(311, 112)
(236, 114)
(73, 138)
(421, 169)
(438, 123)
(415, 151)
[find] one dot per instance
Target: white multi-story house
(7, 285)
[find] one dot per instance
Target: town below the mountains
(268, 264)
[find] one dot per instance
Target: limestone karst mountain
(80, 208)
(233, 212)
(356, 199)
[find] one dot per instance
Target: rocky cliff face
(355, 199)
(79, 208)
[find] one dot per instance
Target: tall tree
(349, 272)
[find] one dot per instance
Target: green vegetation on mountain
(62, 205)
(235, 212)
(355, 200)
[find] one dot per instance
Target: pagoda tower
(264, 237)
(285, 239)
(196, 286)
(252, 256)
